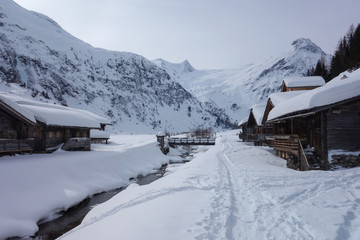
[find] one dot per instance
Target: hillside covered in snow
(39, 60)
(236, 90)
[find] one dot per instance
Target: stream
(67, 220)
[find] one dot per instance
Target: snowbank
(35, 186)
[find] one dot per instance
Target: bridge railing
(191, 141)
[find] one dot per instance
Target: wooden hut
(58, 125)
(310, 125)
(301, 83)
(253, 130)
(273, 100)
(16, 127)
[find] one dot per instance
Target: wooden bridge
(191, 141)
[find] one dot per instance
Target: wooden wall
(12, 128)
(343, 127)
(288, 89)
(51, 136)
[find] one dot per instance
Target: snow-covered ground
(35, 186)
(232, 191)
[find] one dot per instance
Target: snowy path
(232, 191)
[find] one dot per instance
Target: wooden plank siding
(48, 137)
(287, 143)
(343, 127)
(15, 133)
(285, 88)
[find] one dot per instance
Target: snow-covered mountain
(175, 69)
(236, 90)
(53, 66)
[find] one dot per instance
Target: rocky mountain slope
(51, 65)
(236, 90)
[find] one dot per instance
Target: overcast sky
(211, 34)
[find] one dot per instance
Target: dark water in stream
(73, 216)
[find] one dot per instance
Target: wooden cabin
(58, 125)
(310, 125)
(253, 130)
(16, 128)
(273, 100)
(301, 83)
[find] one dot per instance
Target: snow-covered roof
(100, 119)
(312, 81)
(343, 87)
(95, 133)
(20, 110)
(161, 134)
(243, 121)
(258, 112)
(58, 115)
(280, 97)
(61, 117)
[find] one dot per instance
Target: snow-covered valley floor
(33, 187)
(232, 191)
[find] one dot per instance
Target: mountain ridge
(51, 65)
(236, 90)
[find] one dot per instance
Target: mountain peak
(305, 44)
(174, 68)
(187, 66)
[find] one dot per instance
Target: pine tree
(354, 48)
(319, 70)
(347, 54)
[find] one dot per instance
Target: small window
(51, 134)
